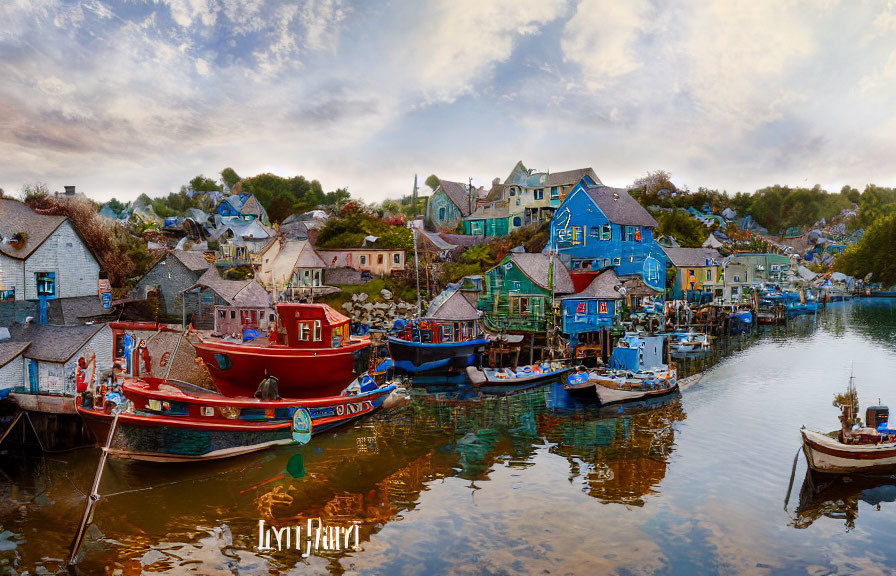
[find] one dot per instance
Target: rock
(362, 296)
(367, 306)
(386, 294)
(381, 306)
(347, 306)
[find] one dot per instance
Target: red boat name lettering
(354, 408)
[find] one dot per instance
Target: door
(32, 376)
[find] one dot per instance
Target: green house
(449, 204)
(516, 294)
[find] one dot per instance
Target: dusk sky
(132, 97)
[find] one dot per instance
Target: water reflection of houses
(625, 453)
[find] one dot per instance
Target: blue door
(32, 376)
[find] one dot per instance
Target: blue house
(245, 206)
(449, 204)
(593, 308)
(599, 227)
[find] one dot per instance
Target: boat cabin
(432, 331)
(635, 352)
(312, 325)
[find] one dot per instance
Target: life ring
(526, 369)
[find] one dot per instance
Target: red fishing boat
(168, 421)
(310, 353)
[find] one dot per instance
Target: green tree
(202, 184)
(230, 177)
(432, 181)
(688, 231)
(873, 253)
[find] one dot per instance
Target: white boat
(522, 376)
(829, 455)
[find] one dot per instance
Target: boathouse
(594, 308)
(374, 261)
(599, 227)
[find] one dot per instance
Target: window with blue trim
(46, 283)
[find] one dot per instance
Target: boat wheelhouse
(310, 352)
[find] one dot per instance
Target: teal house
(489, 219)
(598, 227)
(516, 294)
(449, 203)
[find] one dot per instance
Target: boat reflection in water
(838, 497)
(370, 475)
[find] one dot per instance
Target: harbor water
(533, 483)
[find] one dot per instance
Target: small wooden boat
(613, 387)
(509, 379)
(831, 456)
(171, 421)
(856, 447)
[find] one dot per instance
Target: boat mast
(414, 233)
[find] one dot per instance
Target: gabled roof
(53, 343)
(76, 310)
(604, 287)
(456, 307)
(568, 177)
(619, 206)
(18, 217)
(457, 193)
(692, 257)
(194, 261)
(10, 350)
(536, 266)
(234, 292)
(242, 229)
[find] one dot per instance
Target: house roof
(74, 311)
(455, 307)
(293, 254)
(10, 350)
(604, 286)
(713, 242)
(436, 240)
(53, 343)
(691, 257)
(18, 217)
(242, 229)
(457, 193)
(635, 286)
(536, 266)
(619, 206)
(194, 261)
(567, 177)
(465, 240)
(498, 209)
(234, 292)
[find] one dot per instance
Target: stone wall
(379, 313)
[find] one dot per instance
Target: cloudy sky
(121, 98)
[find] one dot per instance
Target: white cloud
(601, 38)
(186, 12)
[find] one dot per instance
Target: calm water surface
(529, 484)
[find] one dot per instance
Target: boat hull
(613, 396)
(487, 381)
(828, 456)
(422, 358)
(238, 369)
(184, 436)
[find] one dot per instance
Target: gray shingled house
(170, 276)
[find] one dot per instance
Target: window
(233, 314)
(304, 332)
(617, 261)
(606, 232)
(539, 194)
(363, 260)
(318, 333)
(595, 232)
(396, 258)
(577, 235)
(523, 304)
(514, 285)
(447, 333)
(604, 307)
(708, 274)
(517, 221)
(555, 192)
(379, 259)
(513, 191)
(46, 283)
(442, 213)
(631, 234)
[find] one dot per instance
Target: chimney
(69, 190)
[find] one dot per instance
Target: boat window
(304, 332)
(447, 333)
(317, 331)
